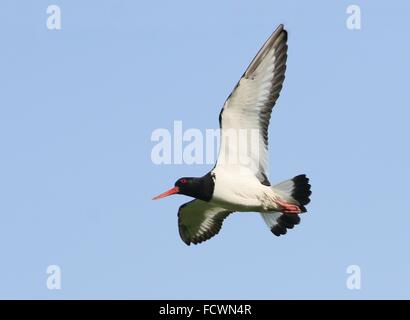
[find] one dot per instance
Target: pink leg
(288, 208)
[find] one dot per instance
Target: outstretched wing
(199, 221)
(249, 107)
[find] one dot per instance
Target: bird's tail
(295, 190)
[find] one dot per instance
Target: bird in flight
(238, 182)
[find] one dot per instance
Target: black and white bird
(243, 186)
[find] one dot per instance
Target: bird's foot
(288, 207)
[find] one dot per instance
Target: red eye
(184, 181)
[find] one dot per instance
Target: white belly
(242, 192)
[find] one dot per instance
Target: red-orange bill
(167, 193)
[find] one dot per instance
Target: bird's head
(199, 188)
(184, 186)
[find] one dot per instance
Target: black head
(199, 188)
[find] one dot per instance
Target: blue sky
(77, 109)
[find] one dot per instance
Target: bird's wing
(246, 112)
(199, 221)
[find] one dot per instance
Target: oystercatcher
(243, 186)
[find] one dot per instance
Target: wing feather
(249, 108)
(199, 221)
